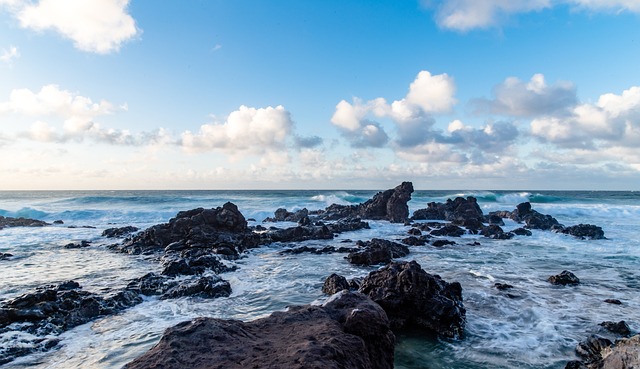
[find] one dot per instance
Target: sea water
(533, 325)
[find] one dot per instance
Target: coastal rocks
(5, 255)
(80, 245)
(318, 250)
(300, 233)
(222, 230)
(118, 232)
(448, 230)
(349, 331)
(495, 232)
(282, 215)
(532, 218)
(388, 205)
(620, 328)
(565, 278)
(334, 284)
(6, 222)
(584, 231)
(377, 251)
(459, 211)
(600, 353)
(414, 298)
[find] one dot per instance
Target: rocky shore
(354, 328)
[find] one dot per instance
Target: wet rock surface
(6, 222)
(414, 298)
(349, 331)
(566, 278)
(601, 353)
(377, 251)
(119, 232)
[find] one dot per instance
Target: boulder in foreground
(348, 332)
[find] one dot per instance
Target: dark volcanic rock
(80, 245)
(389, 205)
(415, 241)
(502, 286)
(6, 222)
(319, 250)
(222, 230)
(620, 328)
(532, 218)
(300, 233)
(613, 301)
(334, 284)
(448, 230)
(584, 231)
(206, 287)
(282, 215)
(564, 278)
(377, 251)
(522, 232)
(495, 232)
(348, 332)
(414, 298)
(458, 211)
(5, 255)
(441, 243)
(118, 232)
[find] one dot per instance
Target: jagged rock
(496, 232)
(300, 233)
(206, 287)
(118, 232)
(532, 218)
(318, 250)
(448, 230)
(349, 331)
(389, 205)
(347, 225)
(6, 222)
(377, 251)
(502, 286)
(590, 351)
(522, 232)
(458, 211)
(334, 284)
(414, 232)
(415, 241)
(620, 328)
(282, 215)
(564, 278)
(584, 231)
(495, 218)
(414, 298)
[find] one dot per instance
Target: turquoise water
(539, 328)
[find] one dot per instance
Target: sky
(332, 94)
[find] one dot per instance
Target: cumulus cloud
(63, 116)
(8, 55)
(466, 15)
(98, 26)
(428, 94)
(534, 98)
(246, 130)
(612, 120)
(308, 142)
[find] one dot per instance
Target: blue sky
(449, 94)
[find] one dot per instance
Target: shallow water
(537, 327)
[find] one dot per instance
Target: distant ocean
(538, 326)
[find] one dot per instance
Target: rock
(494, 218)
(613, 301)
(620, 328)
(282, 215)
(334, 284)
(299, 233)
(58, 222)
(389, 205)
(441, 243)
(5, 255)
(6, 222)
(522, 232)
(347, 225)
(564, 278)
(448, 230)
(80, 245)
(205, 287)
(318, 250)
(349, 331)
(118, 232)
(495, 232)
(532, 218)
(591, 350)
(414, 298)
(414, 232)
(584, 231)
(458, 211)
(502, 286)
(415, 241)
(377, 251)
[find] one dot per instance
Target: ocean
(534, 325)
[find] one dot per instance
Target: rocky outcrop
(388, 205)
(334, 284)
(532, 218)
(349, 331)
(495, 232)
(448, 230)
(282, 215)
(620, 328)
(6, 222)
(459, 211)
(319, 250)
(584, 231)
(600, 353)
(565, 278)
(119, 232)
(414, 298)
(377, 251)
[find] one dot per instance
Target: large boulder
(414, 298)
(377, 251)
(348, 332)
(459, 211)
(532, 218)
(584, 231)
(566, 278)
(388, 205)
(6, 222)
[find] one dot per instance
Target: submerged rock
(6, 222)
(564, 278)
(584, 231)
(414, 298)
(620, 328)
(349, 332)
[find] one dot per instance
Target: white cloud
(466, 15)
(246, 130)
(428, 94)
(614, 120)
(529, 99)
(7, 55)
(98, 26)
